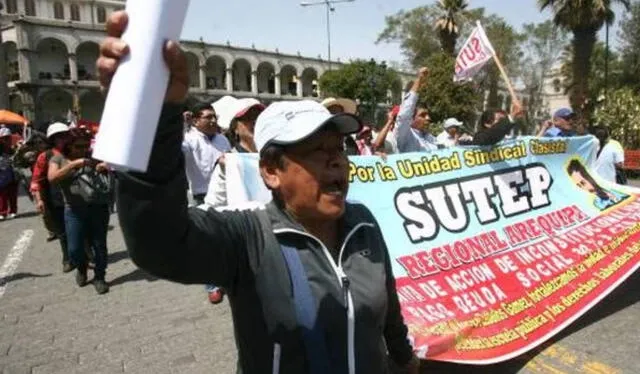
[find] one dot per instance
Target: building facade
(51, 46)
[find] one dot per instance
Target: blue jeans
(92, 222)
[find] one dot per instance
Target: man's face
(207, 122)
(313, 182)
(61, 140)
(582, 182)
(499, 117)
(452, 131)
(422, 120)
(565, 124)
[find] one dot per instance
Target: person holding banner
(412, 127)
(494, 127)
(309, 276)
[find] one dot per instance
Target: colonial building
(51, 46)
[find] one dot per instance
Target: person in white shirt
(610, 155)
(452, 134)
(412, 125)
(202, 146)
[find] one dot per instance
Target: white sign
(475, 53)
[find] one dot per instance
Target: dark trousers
(9, 199)
(90, 222)
(56, 219)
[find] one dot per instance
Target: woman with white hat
(239, 118)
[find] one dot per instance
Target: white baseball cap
(290, 122)
(222, 107)
(56, 128)
(4, 132)
(452, 122)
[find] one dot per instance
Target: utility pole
(4, 89)
(330, 8)
(606, 62)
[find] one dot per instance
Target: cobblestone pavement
(145, 325)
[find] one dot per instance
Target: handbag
(94, 186)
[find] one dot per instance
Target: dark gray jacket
(355, 294)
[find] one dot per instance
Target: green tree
(596, 74)
(366, 81)
(629, 36)
(413, 30)
(448, 23)
(583, 18)
(542, 49)
(622, 116)
(443, 97)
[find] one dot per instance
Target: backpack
(6, 172)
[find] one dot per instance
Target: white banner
(475, 53)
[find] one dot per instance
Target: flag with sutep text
(475, 53)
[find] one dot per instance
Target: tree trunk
(448, 42)
(583, 44)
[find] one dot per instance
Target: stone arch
(193, 62)
(53, 59)
(11, 61)
(266, 78)
(54, 103)
(91, 105)
(241, 75)
(86, 56)
(216, 73)
(288, 79)
(309, 82)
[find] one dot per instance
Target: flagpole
(503, 72)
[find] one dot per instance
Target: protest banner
(494, 250)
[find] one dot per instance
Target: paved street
(144, 325)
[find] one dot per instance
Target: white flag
(475, 53)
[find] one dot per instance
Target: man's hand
(517, 111)
(113, 49)
(40, 206)
(102, 167)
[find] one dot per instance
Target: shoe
(67, 267)
(2, 218)
(216, 296)
(52, 236)
(81, 278)
(11, 216)
(101, 286)
(91, 265)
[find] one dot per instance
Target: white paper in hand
(137, 91)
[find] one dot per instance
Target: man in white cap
(203, 145)
(304, 296)
(452, 134)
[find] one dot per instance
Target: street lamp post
(329, 4)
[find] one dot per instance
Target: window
(58, 10)
(102, 14)
(12, 6)
(75, 12)
(30, 8)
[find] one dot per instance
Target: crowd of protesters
(299, 250)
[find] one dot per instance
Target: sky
(291, 28)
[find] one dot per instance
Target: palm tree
(584, 18)
(448, 24)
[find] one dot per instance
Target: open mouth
(335, 188)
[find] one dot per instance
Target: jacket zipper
(344, 282)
